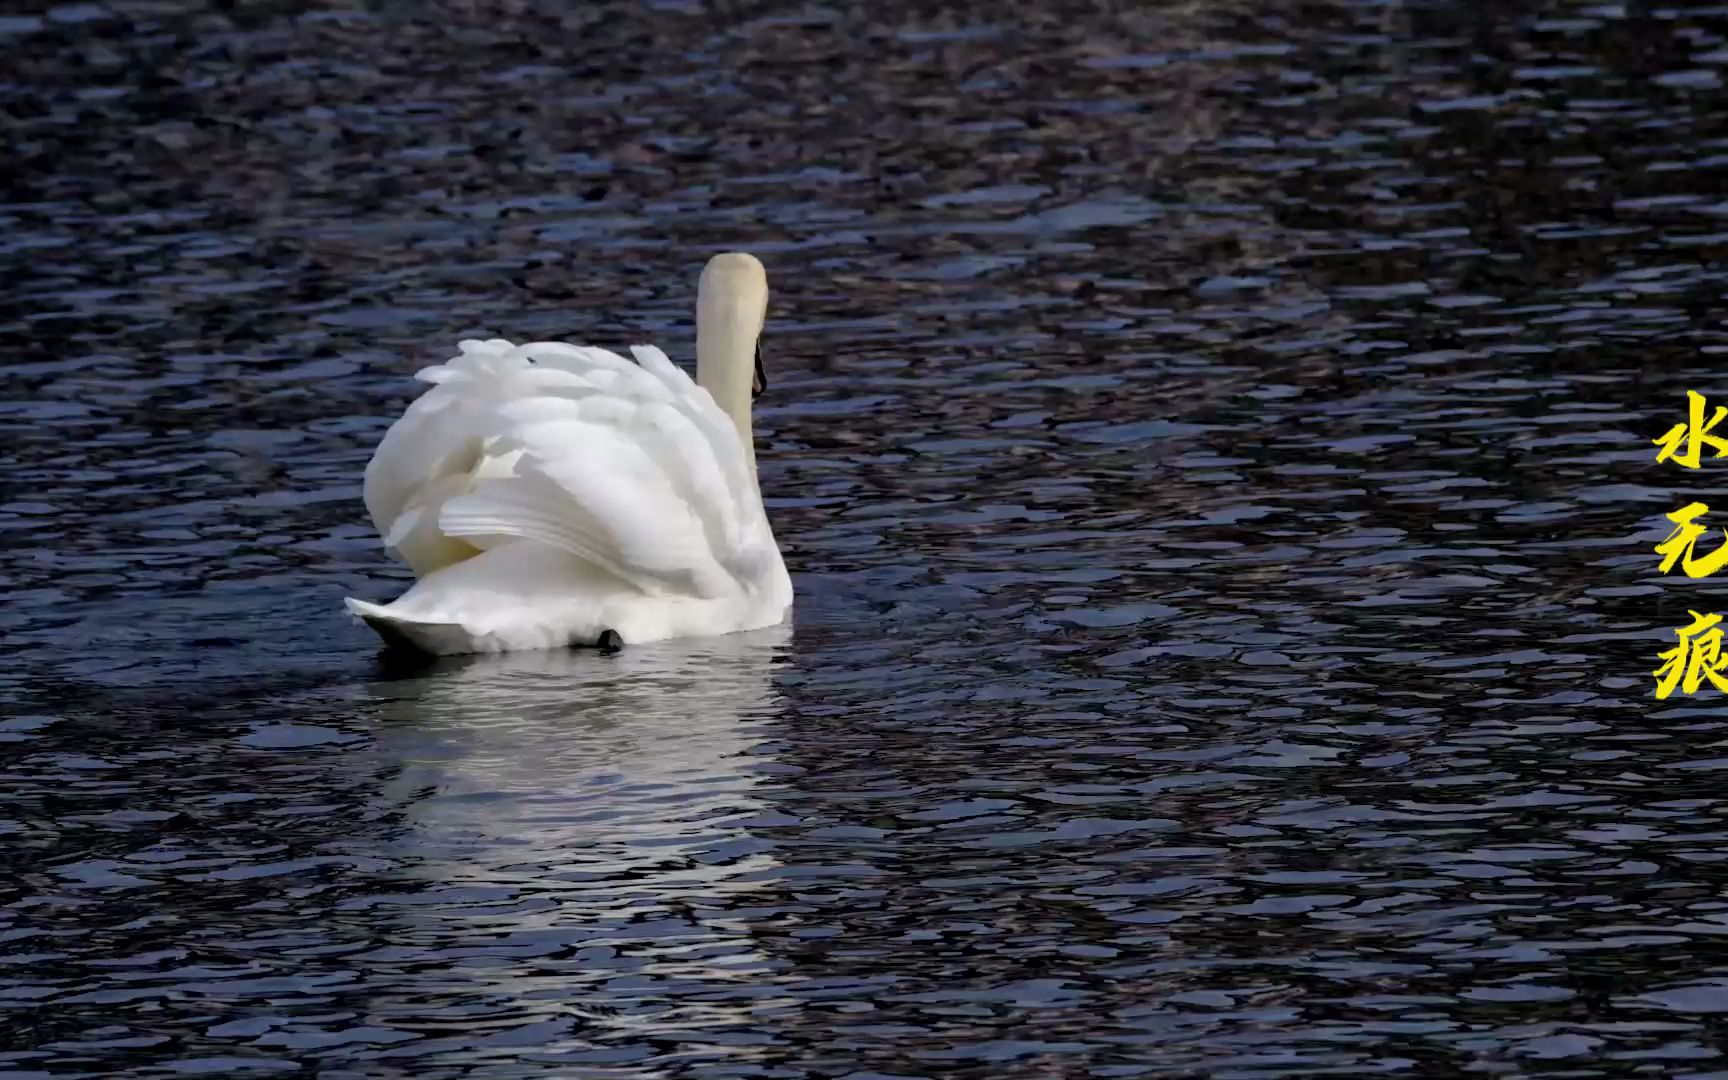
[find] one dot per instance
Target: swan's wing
(428, 454)
(631, 467)
(446, 439)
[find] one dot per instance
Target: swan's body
(545, 494)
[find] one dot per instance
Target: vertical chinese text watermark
(1699, 657)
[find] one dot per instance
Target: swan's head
(731, 304)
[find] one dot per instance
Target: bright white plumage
(546, 493)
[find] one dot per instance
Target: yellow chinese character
(1678, 545)
(1697, 657)
(1692, 433)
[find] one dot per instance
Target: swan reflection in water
(564, 818)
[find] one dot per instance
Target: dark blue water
(1211, 443)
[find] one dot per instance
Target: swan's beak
(759, 381)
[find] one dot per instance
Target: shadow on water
(650, 734)
(582, 821)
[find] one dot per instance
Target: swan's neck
(731, 302)
(725, 361)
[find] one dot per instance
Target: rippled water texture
(1211, 442)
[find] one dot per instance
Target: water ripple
(1211, 445)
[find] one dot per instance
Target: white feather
(547, 492)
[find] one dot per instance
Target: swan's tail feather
(413, 635)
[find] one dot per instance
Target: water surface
(1211, 445)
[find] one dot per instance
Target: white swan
(548, 495)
